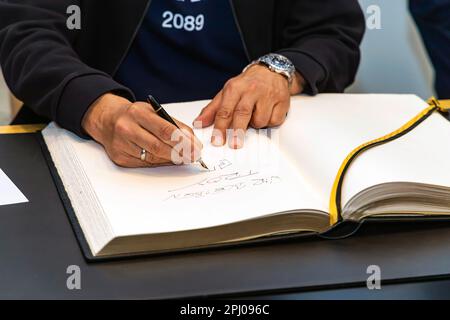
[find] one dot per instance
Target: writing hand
(125, 128)
(258, 98)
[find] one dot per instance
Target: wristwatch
(276, 63)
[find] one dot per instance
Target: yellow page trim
(26, 128)
(336, 192)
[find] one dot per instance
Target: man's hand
(258, 97)
(125, 128)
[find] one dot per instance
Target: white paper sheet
(9, 193)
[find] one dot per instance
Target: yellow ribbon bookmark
(336, 192)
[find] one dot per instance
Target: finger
(134, 152)
(279, 114)
(191, 146)
(131, 162)
(142, 139)
(167, 132)
(183, 152)
(208, 114)
(224, 115)
(125, 160)
(241, 118)
(154, 124)
(122, 148)
(262, 114)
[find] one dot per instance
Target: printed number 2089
(178, 21)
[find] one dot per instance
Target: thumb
(208, 114)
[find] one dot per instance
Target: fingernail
(198, 123)
(217, 140)
(236, 143)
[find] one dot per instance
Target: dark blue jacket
(58, 73)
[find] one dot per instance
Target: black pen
(163, 114)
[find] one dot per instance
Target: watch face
(279, 62)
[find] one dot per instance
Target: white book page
(421, 156)
(326, 128)
(9, 193)
(242, 184)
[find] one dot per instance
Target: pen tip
(203, 164)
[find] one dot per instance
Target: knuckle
(276, 121)
(150, 158)
(276, 94)
(133, 109)
(258, 122)
(253, 86)
(224, 114)
(243, 110)
(230, 86)
(121, 127)
(166, 132)
(155, 148)
(230, 83)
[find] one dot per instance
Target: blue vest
(185, 50)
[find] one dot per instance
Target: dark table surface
(37, 245)
(425, 290)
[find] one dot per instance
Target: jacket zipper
(236, 21)
(134, 36)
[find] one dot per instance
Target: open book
(278, 184)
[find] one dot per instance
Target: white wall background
(393, 61)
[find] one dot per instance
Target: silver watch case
(279, 64)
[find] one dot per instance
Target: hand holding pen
(134, 135)
(164, 115)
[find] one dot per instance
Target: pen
(163, 114)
